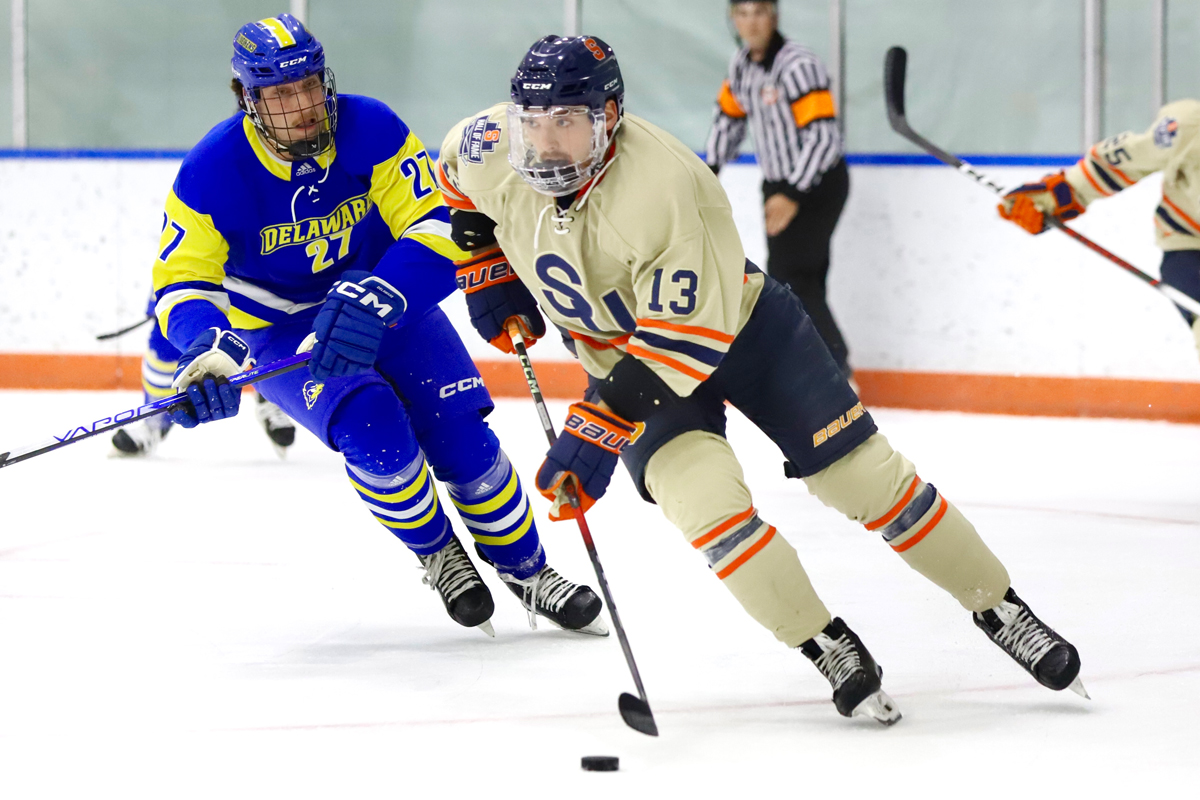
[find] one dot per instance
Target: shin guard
(697, 481)
(496, 511)
(406, 503)
(879, 488)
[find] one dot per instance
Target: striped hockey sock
(496, 511)
(406, 503)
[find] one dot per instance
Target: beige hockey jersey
(646, 260)
(1172, 145)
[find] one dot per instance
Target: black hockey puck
(600, 763)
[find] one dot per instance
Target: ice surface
(213, 622)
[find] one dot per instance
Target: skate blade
(594, 628)
(879, 707)
(280, 451)
(1078, 688)
(486, 627)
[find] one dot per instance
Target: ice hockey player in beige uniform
(1170, 146)
(627, 241)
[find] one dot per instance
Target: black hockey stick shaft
(634, 710)
(894, 69)
(106, 336)
(89, 429)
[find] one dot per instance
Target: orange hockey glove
(494, 296)
(586, 453)
(1028, 205)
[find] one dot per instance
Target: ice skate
(451, 572)
(570, 606)
(1048, 657)
(278, 425)
(855, 677)
(141, 438)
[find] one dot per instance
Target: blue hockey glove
(203, 373)
(349, 328)
(586, 453)
(494, 296)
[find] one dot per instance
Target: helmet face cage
(555, 171)
(270, 117)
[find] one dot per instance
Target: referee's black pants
(799, 255)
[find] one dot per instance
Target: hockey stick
(894, 67)
(89, 429)
(634, 710)
(106, 336)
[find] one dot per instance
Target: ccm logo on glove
(369, 299)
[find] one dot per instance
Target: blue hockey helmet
(277, 51)
(558, 133)
(576, 71)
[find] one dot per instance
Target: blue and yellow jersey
(250, 240)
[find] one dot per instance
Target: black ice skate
(278, 425)
(141, 438)
(1048, 657)
(569, 606)
(467, 599)
(855, 677)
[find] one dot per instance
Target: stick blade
(895, 65)
(637, 715)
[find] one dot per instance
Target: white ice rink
(215, 623)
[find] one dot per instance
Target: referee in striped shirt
(782, 91)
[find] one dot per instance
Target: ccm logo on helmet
(293, 62)
(536, 85)
(465, 385)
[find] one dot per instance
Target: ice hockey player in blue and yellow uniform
(628, 244)
(312, 220)
(159, 362)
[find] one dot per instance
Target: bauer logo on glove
(587, 454)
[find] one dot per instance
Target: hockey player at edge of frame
(310, 220)
(1172, 146)
(627, 241)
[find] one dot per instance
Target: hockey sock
(496, 511)
(158, 370)
(697, 481)
(406, 503)
(878, 487)
(371, 429)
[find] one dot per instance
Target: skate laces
(546, 590)
(839, 659)
(449, 571)
(1021, 633)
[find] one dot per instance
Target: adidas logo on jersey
(306, 169)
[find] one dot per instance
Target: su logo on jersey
(345, 216)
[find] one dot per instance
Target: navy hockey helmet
(577, 71)
(277, 51)
(558, 132)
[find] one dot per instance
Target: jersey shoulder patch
(480, 136)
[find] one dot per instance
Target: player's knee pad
(372, 431)
(406, 503)
(461, 448)
(697, 481)
(496, 511)
(878, 487)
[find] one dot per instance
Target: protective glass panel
(982, 77)
(1129, 68)
(433, 61)
(1183, 49)
(6, 137)
(134, 73)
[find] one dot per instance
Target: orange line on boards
(565, 380)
